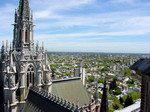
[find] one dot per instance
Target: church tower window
(26, 36)
(30, 76)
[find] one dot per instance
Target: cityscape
(74, 68)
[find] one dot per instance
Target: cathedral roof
(39, 100)
(142, 65)
(71, 90)
(65, 95)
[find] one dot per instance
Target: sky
(118, 26)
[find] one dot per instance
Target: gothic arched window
(26, 36)
(30, 76)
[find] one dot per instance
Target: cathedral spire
(15, 20)
(37, 46)
(2, 50)
(23, 28)
(2, 45)
(6, 45)
(24, 9)
(104, 101)
(42, 46)
(10, 46)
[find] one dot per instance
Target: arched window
(26, 36)
(30, 76)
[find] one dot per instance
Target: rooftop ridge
(64, 103)
(69, 79)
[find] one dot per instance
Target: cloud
(91, 34)
(6, 18)
(113, 25)
(54, 7)
(123, 1)
(120, 47)
(57, 4)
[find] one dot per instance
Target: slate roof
(65, 95)
(71, 90)
(39, 100)
(142, 65)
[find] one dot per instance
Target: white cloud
(92, 34)
(119, 27)
(122, 47)
(45, 8)
(6, 18)
(123, 1)
(59, 4)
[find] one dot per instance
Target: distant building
(80, 72)
(25, 75)
(142, 68)
(77, 72)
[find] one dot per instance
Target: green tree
(113, 84)
(100, 80)
(128, 101)
(116, 92)
(127, 72)
(135, 95)
(110, 108)
(90, 79)
(121, 100)
(116, 105)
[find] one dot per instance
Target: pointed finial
(15, 11)
(6, 45)
(43, 46)
(11, 59)
(10, 46)
(15, 16)
(31, 14)
(2, 50)
(37, 46)
(2, 43)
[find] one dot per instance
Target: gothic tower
(23, 27)
(22, 65)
